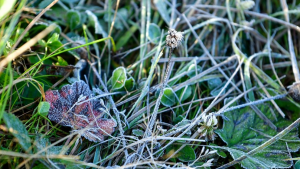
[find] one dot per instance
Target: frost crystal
(71, 107)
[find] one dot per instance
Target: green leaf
(264, 159)
(97, 157)
(162, 9)
(138, 132)
(19, 31)
(126, 37)
(44, 4)
(178, 119)
(17, 129)
(41, 143)
(93, 20)
(213, 83)
(297, 165)
(118, 78)
(73, 19)
(29, 93)
(70, 1)
(170, 150)
(141, 83)
(42, 43)
(53, 42)
(35, 59)
(184, 93)
(43, 108)
(192, 70)
(153, 33)
(129, 84)
(286, 104)
(56, 13)
(53, 38)
(181, 125)
(168, 98)
(61, 61)
(122, 16)
(217, 90)
(39, 166)
(245, 131)
(220, 152)
(8, 47)
(186, 154)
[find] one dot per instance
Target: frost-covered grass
(149, 84)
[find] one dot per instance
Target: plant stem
(154, 115)
(290, 41)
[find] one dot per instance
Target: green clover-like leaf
(168, 99)
(43, 108)
(153, 33)
(138, 132)
(118, 78)
(73, 19)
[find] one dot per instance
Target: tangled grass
(183, 84)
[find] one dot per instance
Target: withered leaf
(74, 107)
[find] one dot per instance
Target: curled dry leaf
(72, 106)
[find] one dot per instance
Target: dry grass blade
(291, 47)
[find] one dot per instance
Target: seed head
(208, 125)
(294, 91)
(173, 38)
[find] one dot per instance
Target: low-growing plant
(149, 84)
